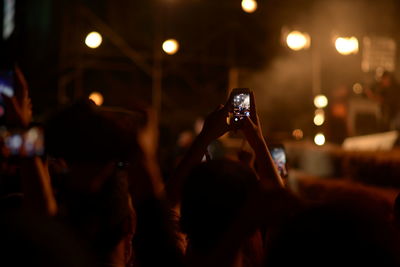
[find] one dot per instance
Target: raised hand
(19, 107)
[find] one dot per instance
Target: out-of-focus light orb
(296, 40)
(97, 98)
(170, 46)
(357, 88)
(298, 134)
(346, 45)
(93, 40)
(320, 101)
(319, 139)
(249, 6)
(319, 117)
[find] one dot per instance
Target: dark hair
(101, 217)
(82, 132)
(213, 195)
(29, 240)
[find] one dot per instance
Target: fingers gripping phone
(241, 104)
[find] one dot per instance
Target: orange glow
(97, 98)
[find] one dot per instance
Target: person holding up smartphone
(239, 113)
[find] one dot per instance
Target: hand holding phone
(15, 99)
(22, 143)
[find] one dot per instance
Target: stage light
(170, 46)
(320, 101)
(319, 117)
(93, 40)
(298, 134)
(97, 98)
(296, 40)
(319, 139)
(249, 6)
(346, 45)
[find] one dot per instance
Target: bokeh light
(319, 117)
(357, 88)
(298, 134)
(97, 98)
(320, 101)
(93, 40)
(170, 46)
(319, 139)
(296, 40)
(346, 45)
(249, 6)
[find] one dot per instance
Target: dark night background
(214, 36)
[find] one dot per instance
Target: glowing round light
(320, 101)
(357, 88)
(249, 6)
(347, 45)
(93, 40)
(170, 46)
(298, 134)
(97, 98)
(319, 139)
(319, 119)
(296, 40)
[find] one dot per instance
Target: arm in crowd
(266, 168)
(36, 184)
(155, 241)
(215, 126)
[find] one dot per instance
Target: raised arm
(215, 125)
(36, 187)
(265, 165)
(155, 242)
(36, 184)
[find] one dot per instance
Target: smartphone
(278, 154)
(241, 104)
(22, 143)
(6, 90)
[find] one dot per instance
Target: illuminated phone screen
(6, 89)
(241, 106)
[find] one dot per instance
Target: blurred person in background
(387, 94)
